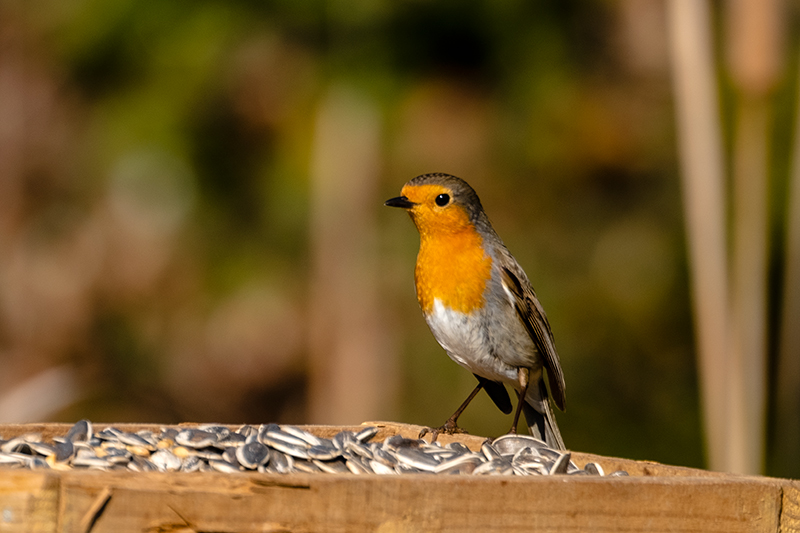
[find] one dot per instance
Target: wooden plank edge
(347, 502)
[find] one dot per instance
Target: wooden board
(658, 498)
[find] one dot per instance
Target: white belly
(465, 341)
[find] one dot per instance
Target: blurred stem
(787, 403)
(349, 380)
(702, 172)
(749, 298)
(754, 45)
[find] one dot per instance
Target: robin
(480, 306)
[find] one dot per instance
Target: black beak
(400, 201)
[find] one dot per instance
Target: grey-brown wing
(532, 315)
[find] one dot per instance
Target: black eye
(442, 200)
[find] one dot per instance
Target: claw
(433, 431)
(448, 428)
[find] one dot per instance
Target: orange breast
(452, 267)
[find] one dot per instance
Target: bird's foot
(448, 428)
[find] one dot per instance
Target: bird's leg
(522, 374)
(450, 425)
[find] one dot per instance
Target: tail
(540, 417)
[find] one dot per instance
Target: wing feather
(532, 315)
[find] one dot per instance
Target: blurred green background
(178, 178)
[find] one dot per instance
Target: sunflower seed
(365, 434)
(80, 431)
(223, 466)
(252, 455)
(416, 458)
(490, 452)
(271, 448)
(196, 438)
(166, 461)
(594, 469)
(324, 452)
(280, 462)
(305, 436)
(560, 465)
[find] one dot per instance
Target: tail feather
(541, 419)
(498, 393)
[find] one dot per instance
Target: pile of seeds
(282, 449)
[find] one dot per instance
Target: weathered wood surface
(655, 498)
